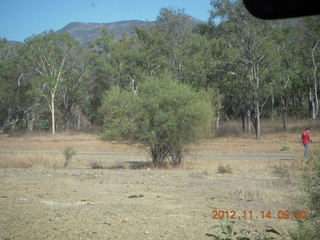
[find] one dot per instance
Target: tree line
(252, 69)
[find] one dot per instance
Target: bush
(312, 184)
(96, 165)
(310, 229)
(164, 116)
(306, 230)
(224, 169)
(226, 231)
(68, 153)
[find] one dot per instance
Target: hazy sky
(20, 19)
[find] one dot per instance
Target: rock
(22, 199)
(125, 220)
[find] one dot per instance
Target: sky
(20, 19)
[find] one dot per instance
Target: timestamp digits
(263, 214)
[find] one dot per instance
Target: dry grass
(281, 170)
(83, 142)
(229, 140)
(199, 174)
(284, 190)
(249, 193)
(30, 161)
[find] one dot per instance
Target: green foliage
(164, 116)
(312, 183)
(310, 229)
(285, 148)
(306, 230)
(245, 65)
(9, 95)
(120, 109)
(227, 231)
(43, 124)
(54, 60)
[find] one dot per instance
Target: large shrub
(310, 229)
(163, 115)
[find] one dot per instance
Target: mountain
(86, 32)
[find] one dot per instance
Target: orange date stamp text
(263, 214)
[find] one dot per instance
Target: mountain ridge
(88, 31)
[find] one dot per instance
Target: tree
(50, 57)
(14, 103)
(307, 37)
(285, 67)
(8, 87)
(174, 26)
(164, 116)
(247, 36)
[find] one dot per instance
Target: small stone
(22, 199)
(125, 220)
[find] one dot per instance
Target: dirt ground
(130, 200)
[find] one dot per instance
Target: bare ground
(129, 200)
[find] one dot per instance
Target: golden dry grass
(30, 161)
(46, 142)
(229, 140)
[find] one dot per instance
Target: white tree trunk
(248, 121)
(315, 84)
(272, 105)
(52, 114)
(258, 125)
(218, 120)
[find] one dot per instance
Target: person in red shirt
(306, 139)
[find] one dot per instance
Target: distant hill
(86, 32)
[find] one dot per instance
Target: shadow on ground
(135, 165)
